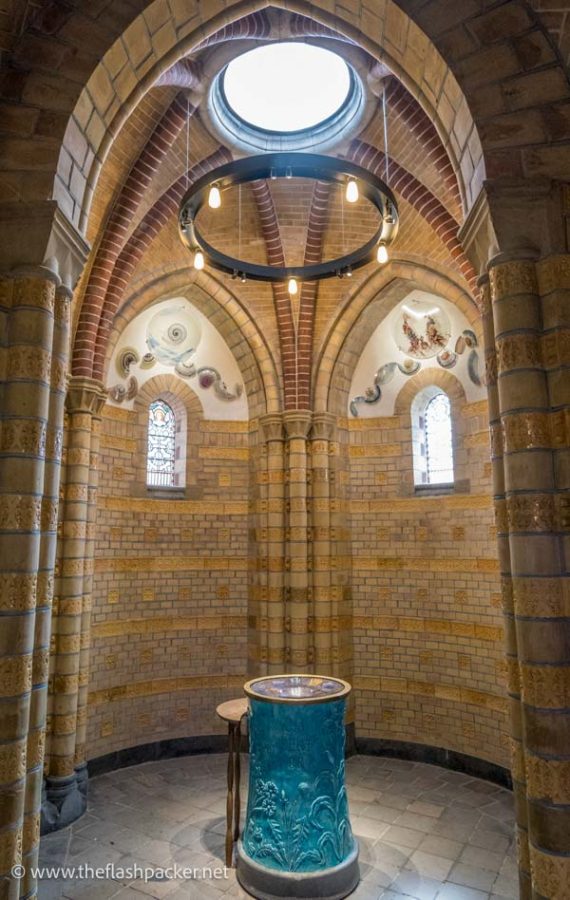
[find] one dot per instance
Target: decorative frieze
(515, 277)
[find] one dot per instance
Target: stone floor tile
(489, 840)
(429, 864)
(412, 884)
(174, 810)
(418, 822)
(394, 801)
(425, 809)
(506, 887)
(472, 876)
(371, 828)
(380, 812)
(485, 859)
(441, 846)
(396, 834)
(460, 892)
(452, 830)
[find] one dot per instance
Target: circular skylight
(286, 87)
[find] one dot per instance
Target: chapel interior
(205, 477)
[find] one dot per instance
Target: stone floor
(424, 832)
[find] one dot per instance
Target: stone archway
(516, 92)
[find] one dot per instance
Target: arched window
(432, 438)
(161, 445)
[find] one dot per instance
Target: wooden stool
(232, 712)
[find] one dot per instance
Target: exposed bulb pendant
(199, 261)
(352, 191)
(382, 254)
(292, 287)
(214, 197)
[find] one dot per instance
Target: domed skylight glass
(286, 87)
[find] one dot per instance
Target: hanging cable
(385, 117)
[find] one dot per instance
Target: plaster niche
(423, 331)
(173, 336)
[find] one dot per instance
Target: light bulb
(199, 261)
(382, 255)
(292, 286)
(352, 191)
(214, 198)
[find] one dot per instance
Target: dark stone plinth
(63, 800)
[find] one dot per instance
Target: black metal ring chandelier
(357, 181)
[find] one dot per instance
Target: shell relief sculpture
(172, 337)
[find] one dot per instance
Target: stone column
(65, 784)
(267, 511)
(34, 374)
(300, 652)
(511, 649)
(530, 393)
(324, 622)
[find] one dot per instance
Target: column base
(63, 800)
(272, 884)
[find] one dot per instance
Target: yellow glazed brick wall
(428, 633)
(168, 637)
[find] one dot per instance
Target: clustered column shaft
(531, 521)
(66, 741)
(35, 333)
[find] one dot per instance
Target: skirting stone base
(63, 801)
(272, 884)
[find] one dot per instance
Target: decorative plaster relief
(173, 336)
(422, 329)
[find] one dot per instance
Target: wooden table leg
(237, 809)
(230, 797)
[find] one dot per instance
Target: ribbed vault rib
(406, 186)
(318, 217)
(281, 299)
(115, 234)
(149, 227)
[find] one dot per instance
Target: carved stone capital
(323, 427)
(297, 423)
(85, 395)
(271, 427)
(52, 241)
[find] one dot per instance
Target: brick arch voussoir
(362, 312)
(317, 224)
(176, 392)
(406, 185)
(225, 312)
(269, 224)
(117, 227)
(147, 230)
(447, 381)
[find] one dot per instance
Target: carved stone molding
(323, 427)
(297, 423)
(513, 277)
(271, 427)
(51, 240)
(85, 395)
(550, 874)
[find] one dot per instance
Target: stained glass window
(161, 445)
(438, 440)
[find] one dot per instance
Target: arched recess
(187, 409)
(249, 347)
(450, 385)
(362, 313)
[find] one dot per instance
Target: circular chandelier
(356, 181)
